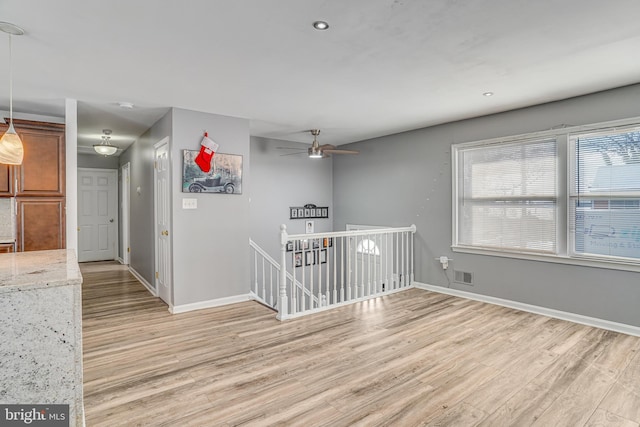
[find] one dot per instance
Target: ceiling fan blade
(291, 148)
(337, 151)
(327, 147)
(293, 154)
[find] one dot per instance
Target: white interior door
(162, 221)
(97, 214)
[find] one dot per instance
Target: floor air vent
(462, 277)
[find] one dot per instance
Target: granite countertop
(38, 269)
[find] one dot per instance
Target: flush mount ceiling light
(320, 25)
(105, 148)
(125, 105)
(487, 94)
(11, 149)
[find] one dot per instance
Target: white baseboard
(120, 260)
(143, 281)
(209, 304)
(550, 312)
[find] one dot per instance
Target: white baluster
(270, 284)
(317, 258)
(342, 270)
(264, 292)
(255, 271)
(335, 272)
(283, 303)
(369, 264)
(376, 259)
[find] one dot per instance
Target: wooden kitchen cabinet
(6, 180)
(42, 172)
(38, 185)
(40, 223)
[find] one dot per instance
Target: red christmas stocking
(207, 149)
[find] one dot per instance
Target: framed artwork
(309, 258)
(327, 242)
(290, 246)
(302, 245)
(308, 211)
(316, 243)
(297, 259)
(308, 227)
(224, 177)
(323, 256)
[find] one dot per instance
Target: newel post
(283, 301)
(413, 233)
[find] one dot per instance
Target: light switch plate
(189, 203)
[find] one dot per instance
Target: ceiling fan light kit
(317, 151)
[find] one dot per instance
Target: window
(604, 197)
(367, 247)
(507, 196)
(568, 195)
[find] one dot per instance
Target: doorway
(97, 214)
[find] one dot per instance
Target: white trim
(557, 259)
(125, 211)
(209, 304)
(544, 311)
(143, 281)
(71, 169)
(120, 260)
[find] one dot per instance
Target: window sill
(558, 259)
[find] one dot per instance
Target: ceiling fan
(317, 151)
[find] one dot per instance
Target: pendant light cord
(10, 82)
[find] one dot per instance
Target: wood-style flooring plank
(413, 358)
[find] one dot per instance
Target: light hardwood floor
(413, 358)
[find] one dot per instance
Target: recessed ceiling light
(320, 25)
(127, 105)
(488, 94)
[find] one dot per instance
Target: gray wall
(211, 243)
(284, 181)
(405, 178)
(140, 155)
(96, 161)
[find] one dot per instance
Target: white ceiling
(384, 66)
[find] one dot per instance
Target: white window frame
(564, 164)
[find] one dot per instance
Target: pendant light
(105, 148)
(11, 149)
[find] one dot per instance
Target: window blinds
(604, 205)
(507, 196)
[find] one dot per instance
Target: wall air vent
(463, 277)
